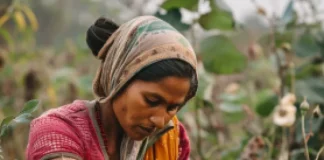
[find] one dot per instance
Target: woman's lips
(147, 130)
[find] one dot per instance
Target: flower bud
(286, 47)
(261, 11)
(317, 112)
(304, 106)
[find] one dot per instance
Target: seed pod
(304, 106)
(317, 112)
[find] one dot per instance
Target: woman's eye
(151, 102)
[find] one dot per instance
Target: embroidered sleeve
(184, 145)
(50, 136)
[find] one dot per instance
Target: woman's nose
(158, 121)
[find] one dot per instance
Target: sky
(242, 8)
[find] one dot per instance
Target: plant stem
(273, 138)
(292, 82)
(284, 142)
(304, 136)
(270, 145)
(319, 152)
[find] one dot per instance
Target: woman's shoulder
(71, 116)
(75, 109)
(76, 106)
(67, 127)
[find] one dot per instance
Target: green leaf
(230, 107)
(6, 36)
(4, 125)
(231, 153)
(203, 84)
(285, 37)
(316, 126)
(288, 15)
(320, 42)
(267, 100)
(30, 106)
(217, 19)
(306, 45)
(312, 88)
(233, 117)
(307, 69)
(188, 4)
(236, 98)
(23, 118)
(173, 17)
(208, 104)
(220, 56)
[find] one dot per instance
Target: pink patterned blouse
(72, 131)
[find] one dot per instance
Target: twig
(319, 152)
(211, 151)
(270, 145)
(304, 136)
(284, 141)
(292, 80)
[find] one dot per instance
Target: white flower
(284, 115)
(288, 99)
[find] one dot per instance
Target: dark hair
(168, 68)
(100, 31)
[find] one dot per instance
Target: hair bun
(99, 32)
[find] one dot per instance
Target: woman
(147, 73)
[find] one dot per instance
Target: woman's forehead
(169, 87)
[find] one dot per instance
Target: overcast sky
(242, 8)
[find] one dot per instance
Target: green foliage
(267, 101)
(312, 88)
(24, 116)
(308, 69)
(320, 42)
(306, 46)
(221, 56)
(30, 107)
(231, 154)
(217, 19)
(317, 123)
(5, 125)
(288, 15)
(173, 17)
(220, 126)
(6, 36)
(188, 4)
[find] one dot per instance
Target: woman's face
(145, 106)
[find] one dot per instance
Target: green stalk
(304, 136)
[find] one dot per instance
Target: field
(261, 90)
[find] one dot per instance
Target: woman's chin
(137, 137)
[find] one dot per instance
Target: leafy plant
(24, 116)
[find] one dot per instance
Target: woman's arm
(50, 138)
(63, 158)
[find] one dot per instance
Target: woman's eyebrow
(156, 95)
